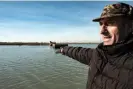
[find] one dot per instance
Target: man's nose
(103, 28)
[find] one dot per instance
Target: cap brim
(97, 19)
(100, 18)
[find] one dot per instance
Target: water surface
(38, 67)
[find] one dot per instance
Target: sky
(44, 21)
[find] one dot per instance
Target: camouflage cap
(118, 9)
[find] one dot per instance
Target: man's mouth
(106, 38)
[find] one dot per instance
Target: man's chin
(107, 43)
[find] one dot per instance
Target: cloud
(45, 21)
(45, 32)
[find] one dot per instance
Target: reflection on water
(38, 67)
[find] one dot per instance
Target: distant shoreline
(40, 43)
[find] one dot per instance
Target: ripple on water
(38, 67)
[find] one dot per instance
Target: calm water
(38, 67)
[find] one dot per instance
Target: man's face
(111, 30)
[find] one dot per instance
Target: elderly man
(111, 62)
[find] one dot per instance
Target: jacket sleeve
(80, 54)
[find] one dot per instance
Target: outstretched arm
(80, 54)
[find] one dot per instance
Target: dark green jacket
(110, 67)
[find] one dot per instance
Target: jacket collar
(118, 48)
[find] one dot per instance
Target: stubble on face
(110, 30)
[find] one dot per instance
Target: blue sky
(44, 21)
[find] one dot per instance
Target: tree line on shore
(23, 43)
(41, 43)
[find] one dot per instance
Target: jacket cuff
(65, 50)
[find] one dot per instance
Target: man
(111, 62)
